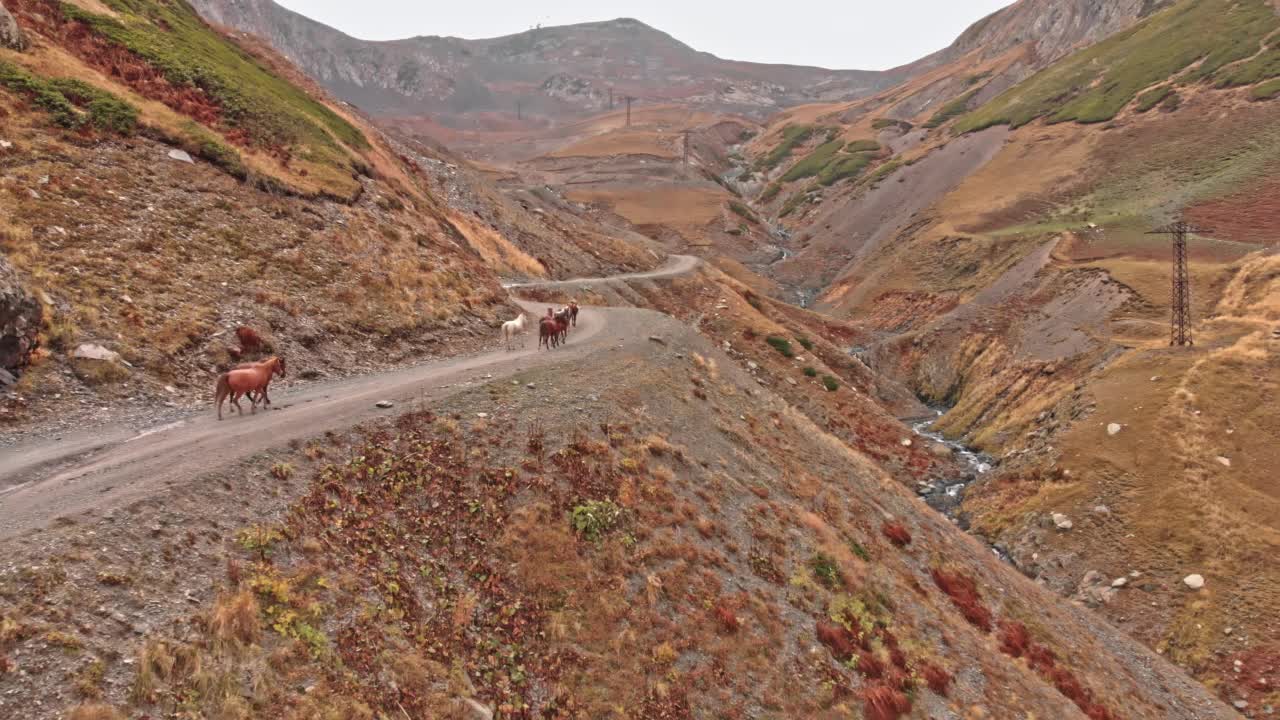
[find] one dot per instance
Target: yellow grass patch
(672, 206)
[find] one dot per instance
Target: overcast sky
(840, 34)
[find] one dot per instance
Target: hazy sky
(841, 34)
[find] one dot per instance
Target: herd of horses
(553, 328)
(251, 380)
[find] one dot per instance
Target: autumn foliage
(963, 592)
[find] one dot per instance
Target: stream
(947, 495)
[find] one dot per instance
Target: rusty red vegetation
(963, 592)
(727, 618)
(838, 640)
(249, 338)
(1016, 641)
(118, 62)
(881, 702)
(870, 667)
(1254, 678)
(897, 533)
(936, 678)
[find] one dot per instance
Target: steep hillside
(551, 72)
(651, 532)
(989, 222)
(164, 185)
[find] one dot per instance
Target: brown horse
(573, 312)
(253, 377)
(550, 331)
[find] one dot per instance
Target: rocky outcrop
(1051, 28)
(11, 36)
(20, 315)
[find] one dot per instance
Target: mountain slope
(996, 237)
(164, 185)
(551, 72)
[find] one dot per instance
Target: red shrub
(840, 641)
(897, 533)
(1014, 638)
(728, 620)
(937, 679)
(898, 658)
(881, 702)
(869, 666)
(1016, 641)
(964, 595)
(249, 338)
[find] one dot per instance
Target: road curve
(675, 265)
(106, 467)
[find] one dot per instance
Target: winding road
(107, 467)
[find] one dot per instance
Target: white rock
(1119, 582)
(1194, 581)
(1062, 522)
(482, 415)
(180, 155)
(792, 381)
(5, 144)
(1113, 428)
(752, 365)
(384, 404)
(91, 351)
(1224, 461)
(1101, 510)
(906, 442)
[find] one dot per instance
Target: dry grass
(94, 711)
(234, 621)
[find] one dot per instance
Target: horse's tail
(221, 390)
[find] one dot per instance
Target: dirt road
(106, 467)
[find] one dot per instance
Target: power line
(1180, 319)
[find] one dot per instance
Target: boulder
(1062, 522)
(91, 351)
(20, 317)
(1194, 581)
(1113, 428)
(11, 36)
(180, 156)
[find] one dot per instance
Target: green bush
(825, 569)
(1151, 98)
(810, 372)
(952, 109)
(782, 345)
(856, 146)
(830, 383)
(742, 211)
(883, 123)
(844, 167)
(1266, 90)
(770, 192)
(814, 162)
(883, 172)
(72, 103)
(793, 136)
(860, 551)
(594, 518)
(805, 343)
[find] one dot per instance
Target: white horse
(511, 328)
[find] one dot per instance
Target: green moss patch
(261, 107)
(1193, 41)
(73, 104)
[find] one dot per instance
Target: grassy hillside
(1197, 41)
(230, 108)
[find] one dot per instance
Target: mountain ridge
(550, 72)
